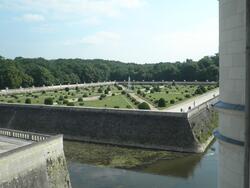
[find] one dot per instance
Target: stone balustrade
(23, 135)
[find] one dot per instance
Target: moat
(192, 171)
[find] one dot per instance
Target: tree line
(27, 72)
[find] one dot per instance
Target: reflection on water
(194, 171)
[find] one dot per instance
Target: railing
(209, 103)
(51, 88)
(23, 135)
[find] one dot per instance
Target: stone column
(232, 93)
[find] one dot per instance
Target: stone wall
(147, 129)
(40, 165)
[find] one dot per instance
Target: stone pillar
(232, 93)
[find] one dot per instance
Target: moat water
(196, 171)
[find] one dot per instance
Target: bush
(157, 89)
(43, 92)
(85, 95)
(144, 94)
(99, 90)
(167, 92)
(61, 98)
(80, 99)
(172, 101)
(48, 101)
(102, 96)
(187, 96)
(123, 92)
(200, 90)
(10, 101)
(81, 104)
(116, 106)
(144, 106)
(128, 106)
(138, 92)
(71, 104)
(106, 91)
(28, 101)
(113, 94)
(65, 101)
(66, 89)
(161, 102)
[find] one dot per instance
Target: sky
(140, 31)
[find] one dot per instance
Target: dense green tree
(26, 72)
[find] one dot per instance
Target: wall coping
(32, 145)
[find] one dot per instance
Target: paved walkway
(139, 99)
(193, 101)
(9, 143)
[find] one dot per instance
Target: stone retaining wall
(147, 129)
(41, 165)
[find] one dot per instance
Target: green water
(196, 171)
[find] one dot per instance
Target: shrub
(144, 106)
(123, 92)
(10, 101)
(116, 106)
(65, 101)
(172, 101)
(157, 89)
(66, 96)
(81, 104)
(71, 104)
(85, 95)
(167, 92)
(80, 99)
(99, 90)
(66, 89)
(106, 91)
(102, 96)
(43, 92)
(200, 90)
(28, 101)
(138, 91)
(144, 94)
(161, 102)
(113, 94)
(187, 96)
(128, 106)
(61, 98)
(48, 101)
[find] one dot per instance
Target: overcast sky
(141, 31)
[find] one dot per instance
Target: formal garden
(114, 96)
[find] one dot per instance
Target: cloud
(99, 38)
(32, 18)
(102, 7)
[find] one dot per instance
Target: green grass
(176, 93)
(122, 101)
(110, 102)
